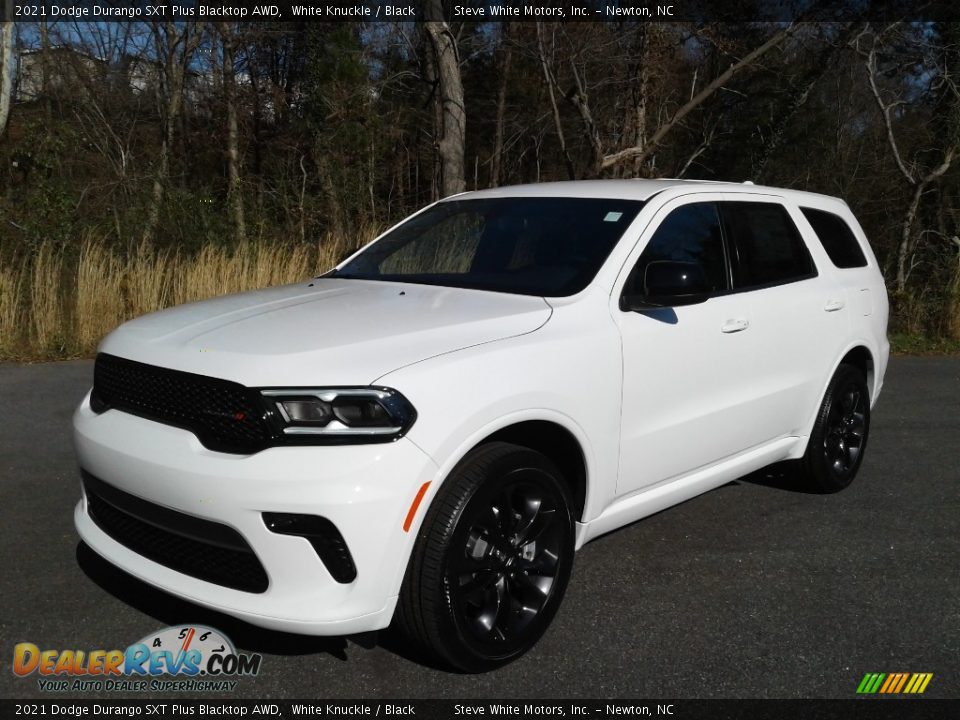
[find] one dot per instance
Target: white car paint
(661, 412)
(282, 335)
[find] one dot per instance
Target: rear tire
(491, 561)
(839, 437)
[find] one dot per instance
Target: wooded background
(141, 140)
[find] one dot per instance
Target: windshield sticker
(613, 216)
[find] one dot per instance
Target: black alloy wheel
(492, 559)
(509, 557)
(846, 424)
(839, 437)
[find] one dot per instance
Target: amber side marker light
(412, 512)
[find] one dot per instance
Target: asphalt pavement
(753, 590)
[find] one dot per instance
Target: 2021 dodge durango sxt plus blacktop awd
(426, 434)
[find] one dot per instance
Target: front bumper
(365, 490)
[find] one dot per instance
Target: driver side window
(689, 234)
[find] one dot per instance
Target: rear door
(799, 315)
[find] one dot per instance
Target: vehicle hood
(325, 332)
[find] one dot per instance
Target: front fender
(565, 373)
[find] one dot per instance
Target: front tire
(839, 436)
(491, 561)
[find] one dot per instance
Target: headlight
(365, 414)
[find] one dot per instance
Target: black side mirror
(666, 283)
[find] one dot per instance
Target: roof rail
(691, 180)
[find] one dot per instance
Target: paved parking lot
(753, 590)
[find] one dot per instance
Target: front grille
(224, 415)
(200, 548)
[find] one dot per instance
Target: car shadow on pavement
(172, 610)
(779, 476)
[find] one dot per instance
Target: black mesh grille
(224, 415)
(200, 548)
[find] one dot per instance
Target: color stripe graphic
(894, 683)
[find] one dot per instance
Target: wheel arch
(556, 443)
(860, 355)
(553, 434)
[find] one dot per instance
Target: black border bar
(373, 11)
(892, 708)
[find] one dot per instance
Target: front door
(687, 370)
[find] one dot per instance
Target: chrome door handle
(735, 325)
(834, 305)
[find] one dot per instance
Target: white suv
(427, 433)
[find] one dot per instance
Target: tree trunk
(336, 225)
(159, 182)
(506, 55)
(578, 97)
(45, 72)
(906, 233)
(550, 81)
(234, 192)
(452, 132)
(170, 100)
(433, 80)
(6, 70)
(640, 113)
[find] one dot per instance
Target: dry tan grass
(46, 307)
(148, 278)
(98, 305)
(11, 327)
(953, 311)
(50, 308)
(205, 275)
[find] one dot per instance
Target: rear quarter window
(836, 237)
(769, 249)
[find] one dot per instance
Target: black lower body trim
(199, 548)
(323, 535)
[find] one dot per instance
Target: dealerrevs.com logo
(200, 658)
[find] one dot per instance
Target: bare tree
(580, 100)
(453, 121)
(6, 65)
(175, 46)
(45, 71)
(639, 153)
(826, 44)
(109, 111)
(918, 177)
(640, 91)
(234, 192)
(504, 59)
(551, 83)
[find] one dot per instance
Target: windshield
(529, 245)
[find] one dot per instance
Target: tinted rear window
(768, 247)
(836, 237)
